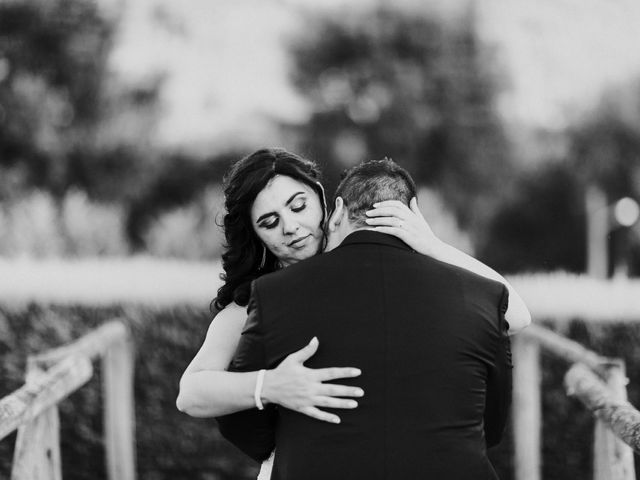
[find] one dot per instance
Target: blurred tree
(52, 65)
(66, 123)
(412, 87)
(178, 181)
(542, 226)
(605, 146)
(605, 151)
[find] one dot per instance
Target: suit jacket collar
(370, 236)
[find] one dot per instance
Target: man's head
(362, 186)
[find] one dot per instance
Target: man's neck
(351, 228)
(337, 237)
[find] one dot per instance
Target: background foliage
(81, 176)
(410, 87)
(378, 81)
(172, 445)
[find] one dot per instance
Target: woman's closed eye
(270, 223)
(272, 220)
(299, 205)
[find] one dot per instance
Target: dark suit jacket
(432, 344)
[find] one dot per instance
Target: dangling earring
(264, 258)
(323, 198)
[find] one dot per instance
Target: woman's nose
(289, 226)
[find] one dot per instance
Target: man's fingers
(324, 374)
(320, 415)
(306, 352)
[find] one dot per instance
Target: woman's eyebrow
(268, 214)
(292, 197)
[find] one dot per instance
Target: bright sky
(225, 64)
(561, 54)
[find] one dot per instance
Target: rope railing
(598, 382)
(567, 349)
(53, 375)
(622, 417)
(26, 403)
(92, 345)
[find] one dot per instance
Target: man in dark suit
(429, 337)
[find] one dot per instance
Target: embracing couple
(383, 355)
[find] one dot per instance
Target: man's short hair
(374, 181)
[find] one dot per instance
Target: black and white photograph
(319, 239)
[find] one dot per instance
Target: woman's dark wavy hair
(243, 249)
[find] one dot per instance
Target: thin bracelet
(258, 391)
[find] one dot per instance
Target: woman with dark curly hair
(275, 217)
(246, 257)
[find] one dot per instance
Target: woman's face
(286, 215)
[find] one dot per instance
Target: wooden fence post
(612, 458)
(597, 230)
(52, 375)
(37, 452)
(119, 418)
(526, 408)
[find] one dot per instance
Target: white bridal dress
(266, 467)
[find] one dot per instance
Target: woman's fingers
(385, 221)
(327, 402)
(413, 206)
(397, 214)
(331, 402)
(324, 374)
(306, 352)
(319, 414)
(391, 203)
(395, 231)
(331, 390)
(392, 210)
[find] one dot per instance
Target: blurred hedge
(38, 225)
(567, 430)
(171, 445)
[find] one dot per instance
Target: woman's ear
(336, 215)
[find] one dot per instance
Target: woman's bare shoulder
(233, 310)
(232, 313)
(221, 340)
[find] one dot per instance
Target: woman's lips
(299, 242)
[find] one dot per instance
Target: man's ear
(336, 216)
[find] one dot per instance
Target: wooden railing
(598, 382)
(53, 375)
